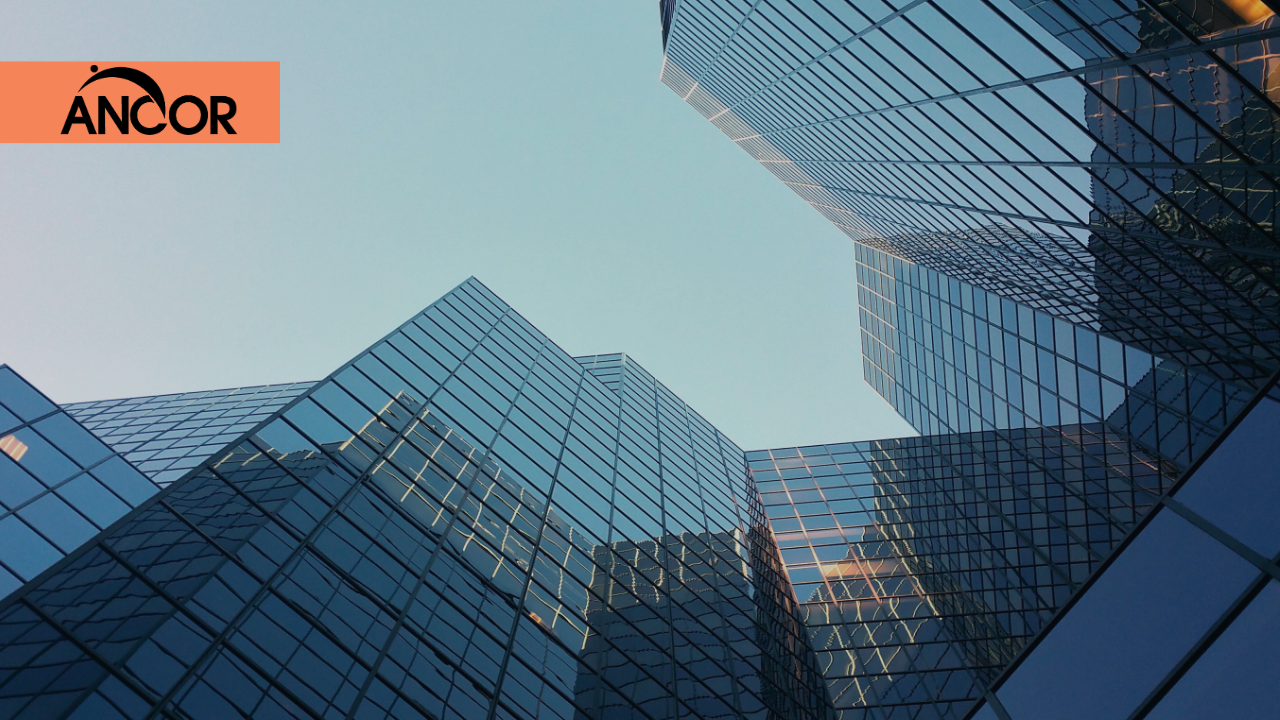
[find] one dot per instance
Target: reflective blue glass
(165, 436)
(55, 519)
(124, 480)
(1064, 224)
(1141, 616)
(1063, 215)
(16, 485)
(1238, 487)
(50, 501)
(43, 460)
(8, 420)
(89, 496)
(1221, 686)
(71, 438)
(20, 398)
(528, 539)
(25, 553)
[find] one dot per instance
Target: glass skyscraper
(1110, 162)
(1063, 215)
(1064, 222)
(461, 522)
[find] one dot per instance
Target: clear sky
(528, 144)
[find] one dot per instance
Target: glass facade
(883, 624)
(1110, 162)
(461, 522)
(925, 565)
(164, 436)
(1152, 640)
(1064, 223)
(1063, 215)
(59, 485)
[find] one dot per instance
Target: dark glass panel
(1149, 607)
(43, 460)
(20, 398)
(72, 439)
(8, 420)
(55, 519)
(16, 485)
(1238, 487)
(1238, 677)
(124, 481)
(25, 552)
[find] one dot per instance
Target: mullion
(443, 545)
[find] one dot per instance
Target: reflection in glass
(1131, 628)
(1220, 686)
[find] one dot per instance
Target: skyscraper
(1064, 217)
(549, 536)
(1109, 162)
(1065, 258)
(463, 521)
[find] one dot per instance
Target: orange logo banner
(146, 102)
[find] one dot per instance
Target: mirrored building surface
(1150, 639)
(1066, 266)
(461, 522)
(1064, 219)
(926, 567)
(164, 436)
(59, 485)
(1112, 162)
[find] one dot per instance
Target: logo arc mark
(137, 77)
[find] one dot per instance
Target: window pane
(1238, 487)
(21, 398)
(8, 420)
(92, 499)
(44, 460)
(23, 550)
(126, 482)
(72, 439)
(1130, 628)
(16, 485)
(1239, 677)
(58, 522)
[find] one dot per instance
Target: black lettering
(121, 121)
(215, 118)
(193, 100)
(77, 115)
(133, 117)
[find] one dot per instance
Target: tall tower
(1064, 214)
(462, 521)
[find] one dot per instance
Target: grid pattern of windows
(881, 640)
(1151, 640)
(1064, 214)
(951, 357)
(606, 368)
(1111, 162)
(59, 485)
(165, 436)
(924, 565)
(462, 522)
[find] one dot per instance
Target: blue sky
(528, 144)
